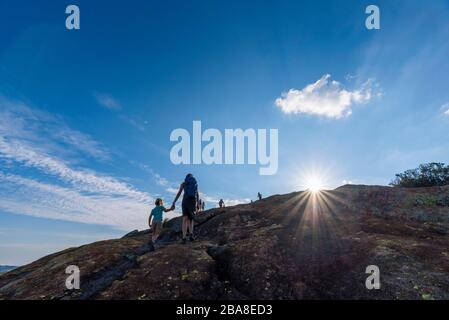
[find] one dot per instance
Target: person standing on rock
(259, 195)
(221, 203)
(189, 205)
(156, 218)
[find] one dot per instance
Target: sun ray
(312, 215)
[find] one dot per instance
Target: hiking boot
(184, 241)
(191, 238)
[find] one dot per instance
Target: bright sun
(313, 178)
(314, 184)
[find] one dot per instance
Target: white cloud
(325, 98)
(82, 179)
(35, 198)
(234, 202)
(445, 107)
(82, 142)
(157, 178)
(172, 190)
(23, 123)
(58, 189)
(228, 202)
(108, 101)
(139, 125)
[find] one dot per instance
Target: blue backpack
(190, 186)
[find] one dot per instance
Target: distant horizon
(127, 231)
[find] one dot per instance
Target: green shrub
(426, 175)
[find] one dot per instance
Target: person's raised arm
(181, 187)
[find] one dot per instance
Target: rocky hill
(295, 246)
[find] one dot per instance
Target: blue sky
(86, 115)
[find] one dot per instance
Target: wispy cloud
(445, 108)
(161, 181)
(139, 125)
(172, 190)
(228, 202)
(20, 122)
(57, 188)
(326, 98)
(80, 178)
(47, 200)
(108, 101)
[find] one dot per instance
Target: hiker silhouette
(259, 195)
(189, 205)
(221, 203)
(155, 220)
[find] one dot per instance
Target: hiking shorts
(156, 225)
(189, 207)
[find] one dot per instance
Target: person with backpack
(189, 205)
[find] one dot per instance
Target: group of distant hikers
(191, 204)
(201, 205)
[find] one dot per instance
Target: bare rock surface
(295, 246)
